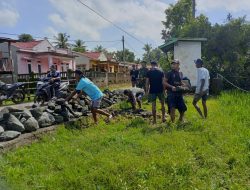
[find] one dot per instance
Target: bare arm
(71, 96)
(169, 85)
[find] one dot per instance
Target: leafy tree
(129, 55)
(147, 55)
(62, 40)
(25, 37)
(99, 48)
(177, 15)
(79, 46)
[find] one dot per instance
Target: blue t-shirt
(89, 88)
(55, 74)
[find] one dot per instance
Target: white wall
(82, 60)
(187, 52)
(43, 46)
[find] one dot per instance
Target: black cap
(79, 72)
(198, 61)
(153, 63)
(175, 61)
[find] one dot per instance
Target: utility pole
(123, 49)
(193, 6)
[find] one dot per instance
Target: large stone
(9, 135)
(51, 105)
(25, 113)
(12, 123)
(46, 119)
(31, 124)
(37, 112)
(58, 119)
(1, 129)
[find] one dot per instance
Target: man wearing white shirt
(202, 87)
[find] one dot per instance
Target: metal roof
(3, 39)
(170, 43)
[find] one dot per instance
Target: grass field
(129, 153)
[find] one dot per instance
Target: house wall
(82, 62)
(43, 46)
(187, 52)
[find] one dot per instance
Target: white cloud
(9, 16)
(228, 5)
(142, 18)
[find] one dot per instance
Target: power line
(115, 25)
(87, 41)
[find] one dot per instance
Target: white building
(186, 50)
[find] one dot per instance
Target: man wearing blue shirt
(55, 80)
(95, 94)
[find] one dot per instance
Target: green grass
(129, 153)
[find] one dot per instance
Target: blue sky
(141, 18)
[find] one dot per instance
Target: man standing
(55, 80)
(134, 75)
(202, 87)
(95, 94)
(175, 98)
(155, 87)
(143, 75)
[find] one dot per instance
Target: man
(175, 98)
(143, 75)
(95, 94)
(202, 87)
(133, 98)
(134, 75)
(154, 86)
(55, 80)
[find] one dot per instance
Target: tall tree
(25, 37)
(79, 46)
(177, 15)
(62, 40)
(129, 55)
(147, 55)
(99, 48)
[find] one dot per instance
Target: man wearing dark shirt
(175, 98)
(143, 75)
(154, 87)
(134, 73)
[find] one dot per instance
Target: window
(29, 68)
(39, 69)
(62, 68)
(29, 61)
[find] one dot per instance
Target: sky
(141, 18)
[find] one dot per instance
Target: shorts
(204, 97)
(153, 97)
(139, 96)
(177, 102)
(96, 103)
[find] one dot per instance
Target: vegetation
(25, 38)
(129, 56)
(79, 46)
(62, 40)
(128, 153)
(227, 50)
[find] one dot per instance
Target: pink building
(38, 56)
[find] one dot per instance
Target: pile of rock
(14, 122)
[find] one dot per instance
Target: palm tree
(99, 48)
(79, 46)
(62, 40)
(147, 48)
